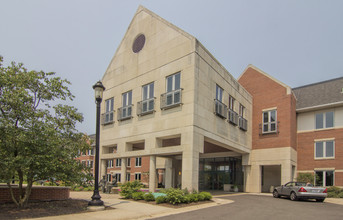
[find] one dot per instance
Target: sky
(298, 42)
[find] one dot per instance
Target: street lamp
(96, 198)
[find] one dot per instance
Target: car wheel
(276, 194)
(293, 196)
(320, 200)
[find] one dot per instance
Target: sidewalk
(124, 209)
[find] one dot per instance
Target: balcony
(107, 118)
(242, 123)
(233, 117)
(171, 99)
(269, 128)
(220, 109)
(145, 107)
(125, 113)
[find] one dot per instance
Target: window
(219, 108)
(138, 176)
(125, 111)
(128, 163)
(110, 163)
(172, 96)
(324, 178)
(118, 177)
(138, 161)
(324, 120)
(109, 111)
(128, 177)
(231, 102)
(324, 149)
(242, 122)
(90, 163)
(269, 124)
(147, 103)
(109, 177)
(91, 151)
(83, 163)
(118, 162)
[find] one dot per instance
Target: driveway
(264, 207)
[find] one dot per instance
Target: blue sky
(297, 42)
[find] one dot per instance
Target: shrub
(340, 195)
(174, 196)
(128, 188)
(201, 197)
(149, 197)
(207, 195)
(161, 199)
(334, 189)
(137, 195)
(185, 191)
(193, 197)
(306, 177)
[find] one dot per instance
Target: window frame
(324, 120)
(118, 162)
(269, 122)
(128, 177)
(138, 162)
(173, 78)
(140, 176)
(324, 142)
(128, 162)
(231, 103)
(110, 163)
(219, 93)
(324, 177)
(109, 110)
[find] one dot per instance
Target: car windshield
(301, 184)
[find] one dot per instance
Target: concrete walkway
(124, 209)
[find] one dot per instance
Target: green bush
(130, 187)
(201, 197)
(306, 177)
(161, 199)
(149, 197)
(185, 191)
(174, 196)
(335, 192)
(193, 197)
(138, 195)
(207, 195)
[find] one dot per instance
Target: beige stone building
(167, 98)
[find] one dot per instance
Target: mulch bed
(43, 209)
(181, 205)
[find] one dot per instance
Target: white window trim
(140, 162)
(324, 120)
(110, 163)
(269, 121)
(324, 176)
(148, 91)
(173, 76)
(324, 150)
(118, 159)
(140, 175)
(220, 94)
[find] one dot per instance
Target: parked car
(300, 190)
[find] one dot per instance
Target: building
(87, 157)
(320, 131)
(173, 116)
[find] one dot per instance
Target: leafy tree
(38, 140)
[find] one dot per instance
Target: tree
(38, 138)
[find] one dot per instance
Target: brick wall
(268, 93)
(306, 142)
(41, 193)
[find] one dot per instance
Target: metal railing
(220, 109)
(233, 117)
(145, 107)
(171, 99)
(107, 118)
(242, 123)
(125, 113)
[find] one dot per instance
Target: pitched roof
(321, 94)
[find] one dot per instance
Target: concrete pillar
(286, 172)
(152, 174)
(103, 167)
(123, 170)
(168, 175)
(190, 170)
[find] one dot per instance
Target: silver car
(300, 190)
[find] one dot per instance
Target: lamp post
(96, 198)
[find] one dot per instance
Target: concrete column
(286, 172)
(152, 174)
(168, 175)
(103, 166)
(123, 170)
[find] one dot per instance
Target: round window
(138, 44)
